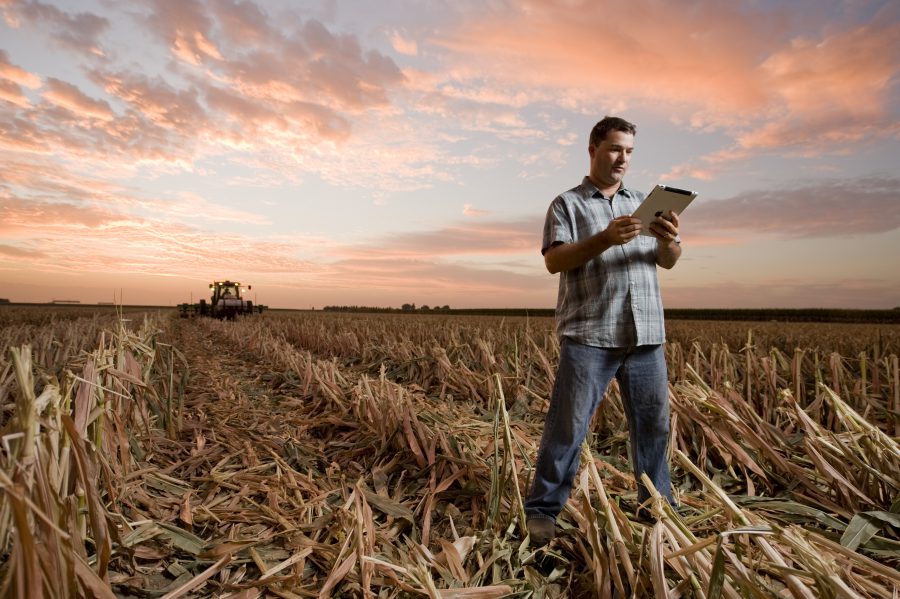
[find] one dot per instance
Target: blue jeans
(583, 376)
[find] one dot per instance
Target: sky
(403, 151)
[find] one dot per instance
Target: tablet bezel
(662, 199)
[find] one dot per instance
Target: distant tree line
(789, 315)
(748, 314)
(405, 308)
(357, 309)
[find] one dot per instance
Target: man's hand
(567, 256)
(622, 230)
(665, 227)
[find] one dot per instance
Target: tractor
(226, 302)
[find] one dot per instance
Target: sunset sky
(384, 152)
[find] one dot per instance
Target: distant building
(65, 301)
(3, 300)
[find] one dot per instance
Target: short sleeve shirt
(613, 300)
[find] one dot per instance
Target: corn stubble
(316, 455)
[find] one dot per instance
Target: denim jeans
(583, 376)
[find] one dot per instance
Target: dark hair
(607, 124)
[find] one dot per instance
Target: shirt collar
(591, 191)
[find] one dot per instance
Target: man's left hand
(665, 227)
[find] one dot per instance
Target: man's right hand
(622, 230)
(566, 256)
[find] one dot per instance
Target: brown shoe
(541, 531)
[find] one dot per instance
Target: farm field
(332, 454)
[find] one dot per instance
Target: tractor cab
(225, 290)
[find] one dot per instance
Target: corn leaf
(861, 528)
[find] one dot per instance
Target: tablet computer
(662, 199)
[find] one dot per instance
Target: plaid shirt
(613, 300)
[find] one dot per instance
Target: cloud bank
(131, 151)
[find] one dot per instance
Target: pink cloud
(12, 93)
(688, 171)
(42, 179)
(479, 106)
(191, 205)
(184, 26)
(717, 66)
(291, 92)
(154, 99)
(709, 166)
(289, 89)
(327, 124)
(74, 126)
(835, 88)
(66, 95)
(49, 128)
(117, 230)
(310, 65)
(193, 47)
(830, 208)
(243, 23)
(482, 238)
(404, 45)
(18, 252)
(241, 108)
(342, 68)
(163, 125)
(79, 32)
(470, 210)
(20, 214)
(16, 74)
(110, 241)
(58, 198)
(551, 45)
(19, 135)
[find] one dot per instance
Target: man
(609, 319)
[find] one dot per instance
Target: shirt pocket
(646, 244)
(643, 249)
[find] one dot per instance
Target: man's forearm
(667, 254)
(567, 256)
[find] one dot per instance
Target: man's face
(610, 158)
